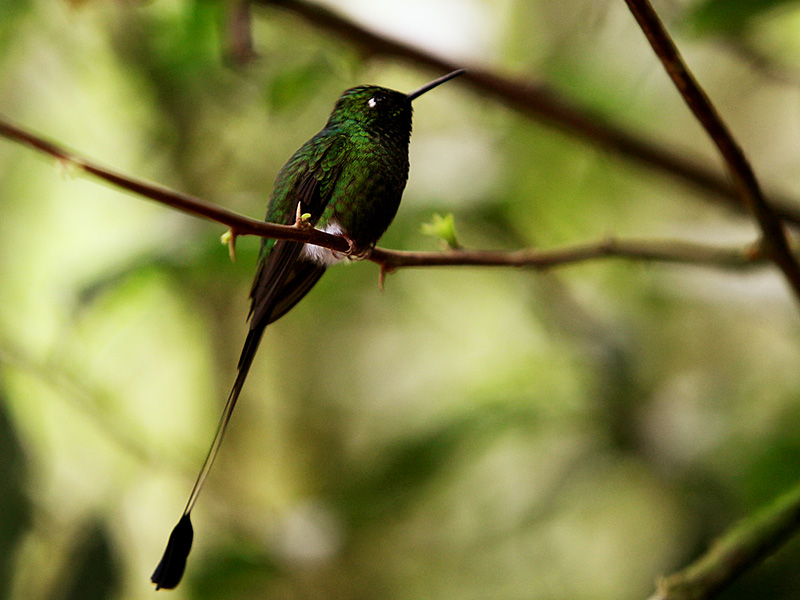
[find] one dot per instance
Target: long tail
(170, 569)
(279, 283)
(245, 361)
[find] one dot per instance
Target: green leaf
(444, 228)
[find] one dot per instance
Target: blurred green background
(468, 433)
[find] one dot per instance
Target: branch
(746, 544)
(239, 224)
(644, 250)
(774, 238)
(542, 103)
(391, 260)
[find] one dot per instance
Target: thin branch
(539, 101)
(238, 33)
(239, 224)
(775, 242)
(643, 250)
(745, 545)
(391, 260)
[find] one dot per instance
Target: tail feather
(279, 283)
(170, 569)
(245, 362)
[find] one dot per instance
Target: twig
(774, 238)
(543, 103)
(743, 546)
(239, 224)
(238, 33)
(391, 260)
(644, 250)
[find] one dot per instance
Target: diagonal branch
(239, 224)
(542, 103)
(745, 545)
(774, 238)
(391, 260)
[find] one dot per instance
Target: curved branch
(774, 237)
(542, 103)
(391, 260)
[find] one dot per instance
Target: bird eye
(375, 100)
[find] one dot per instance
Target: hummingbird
(347, 180)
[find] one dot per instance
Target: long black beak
(436, 82)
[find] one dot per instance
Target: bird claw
(354, 252)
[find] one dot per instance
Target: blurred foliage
(93, 573)
(15, 507)
(469, 432)
(442, 228)
(731, 15)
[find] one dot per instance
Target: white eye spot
(372, 102)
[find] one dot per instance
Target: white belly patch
(325, 256)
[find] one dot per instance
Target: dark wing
(299, 281)
(284, 276)
(281, 280)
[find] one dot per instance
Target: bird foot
(354, 252)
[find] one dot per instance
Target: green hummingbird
(346, 180)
